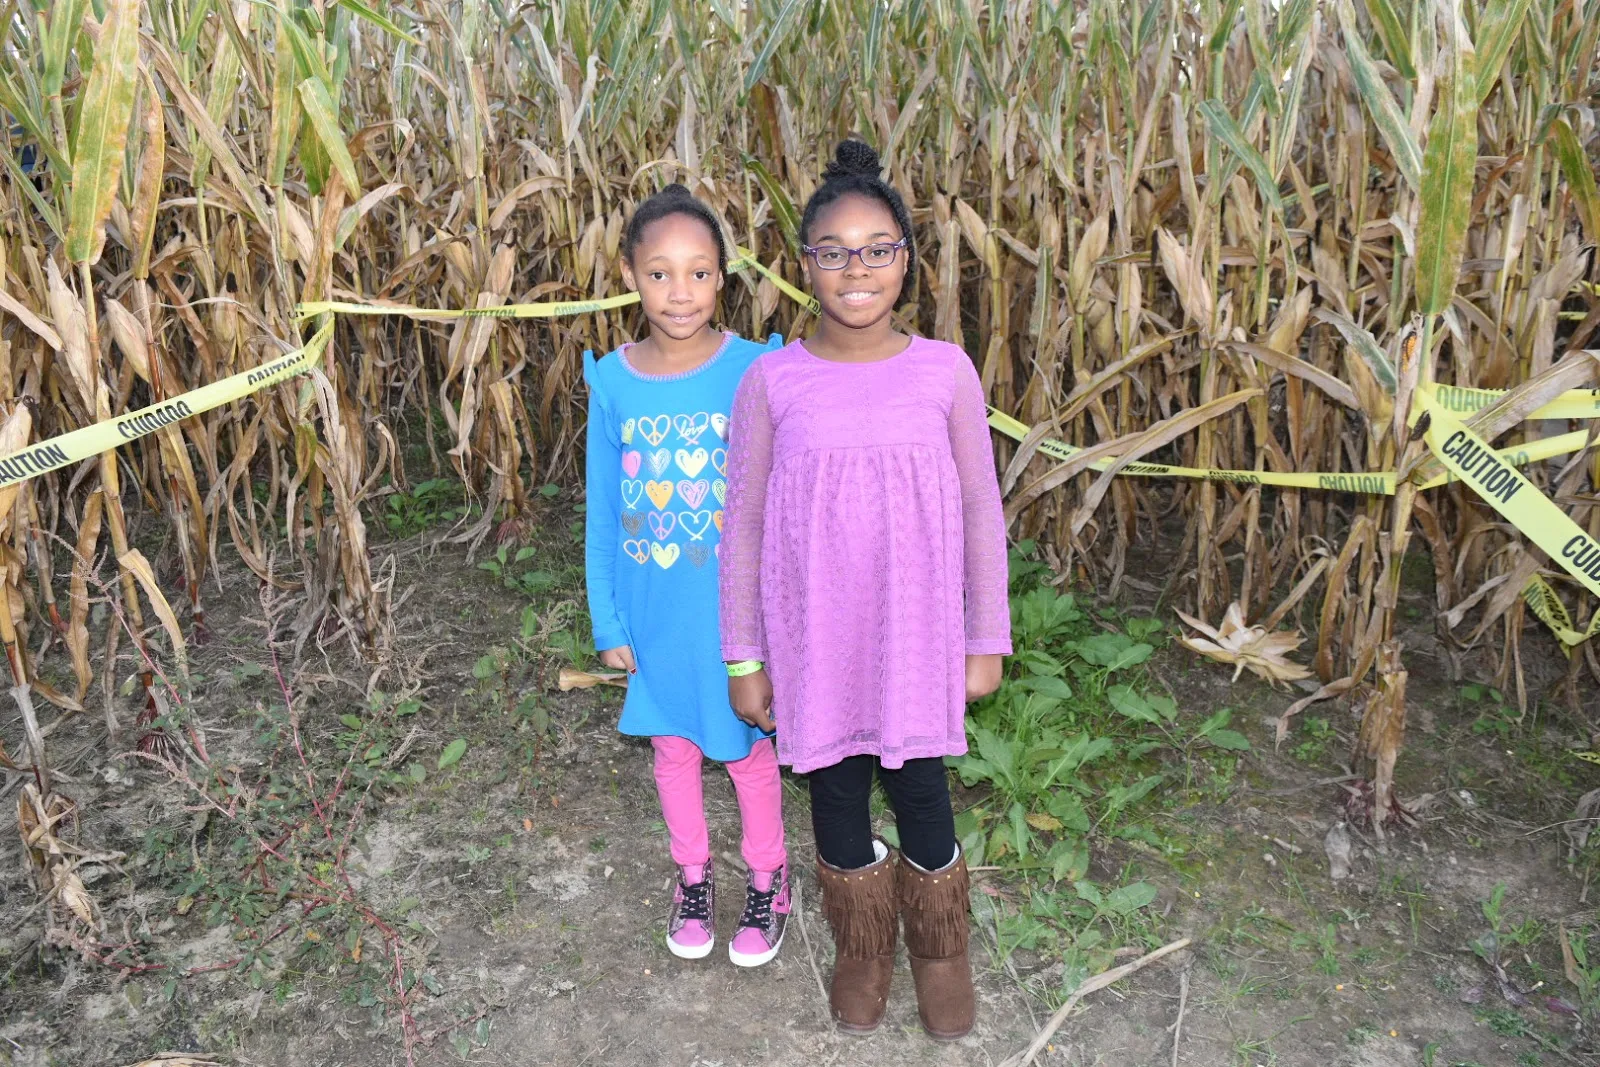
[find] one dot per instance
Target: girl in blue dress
(657, 469)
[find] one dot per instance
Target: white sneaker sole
(741, 959)
(691, 952)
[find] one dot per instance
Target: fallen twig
(1099, 981)
(1183, 1004)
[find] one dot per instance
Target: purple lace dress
(864, 552)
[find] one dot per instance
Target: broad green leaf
(66, 16)
(1088, 892)
(1127, 702)
(1065, 805)
(196, 22)
(1380, 102)
(377, 18)
(1131, 656)
(1499, 22)
(1231, 740)
(1447, 176)
(1366, 347)
(1216, 721)
(1121, 796)
(998, 752)
(19, 106)
(1114, 652)
(1020, 834)
(1395, 36)
(1047, 686)
(974, 770)
(324, 119)
(782, 207)
(1068, 861)
(1127, 899)
(307, 52)
(1165, 706)
(452, 753)
(1294, 19)
(872, 46)
(1224, 26)
(1228, 132)
(102, 133)
(1081, 750)
(777, 30)
(1579, 175)
(1149, 23)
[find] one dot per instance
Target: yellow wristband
(744, 667)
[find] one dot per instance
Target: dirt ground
(532, 880)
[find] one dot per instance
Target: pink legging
(755, 783)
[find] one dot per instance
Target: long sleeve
(603, 505)
(988, 609)
(749, 465)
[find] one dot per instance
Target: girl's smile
(857, 300)
(675, 273)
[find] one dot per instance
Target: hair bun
(676, 191)
(853, 157)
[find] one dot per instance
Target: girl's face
(857, 295)
(674, 271)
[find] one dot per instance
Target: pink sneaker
(690, 933)
(766, 914)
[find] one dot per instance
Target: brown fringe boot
(860, 907)
(934, 905)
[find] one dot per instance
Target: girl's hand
(751, 697)
(983, 676)
(620, 659)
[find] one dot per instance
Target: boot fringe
(935, 906)
(860, 908)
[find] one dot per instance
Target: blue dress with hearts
(657, 481)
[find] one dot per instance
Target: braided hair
(675, 199)
(856, 169)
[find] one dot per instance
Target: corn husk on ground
(1232, 234)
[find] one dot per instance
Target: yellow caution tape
(1382, 483)
(1544, 603)
(547, 309)
(1379, 483)
(1504, 488)
(91, 441)
(1573, 404)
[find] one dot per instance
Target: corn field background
(1230, 233)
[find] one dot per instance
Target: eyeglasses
(836, 257)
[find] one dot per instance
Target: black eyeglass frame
(814, 250)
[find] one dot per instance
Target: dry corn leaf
(570, 679)
(177, 1059)
(133, 560)
(70, 888)
(1252, 648)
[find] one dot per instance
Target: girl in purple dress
(863, 583)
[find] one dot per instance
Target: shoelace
(696, 902)
(758, 907)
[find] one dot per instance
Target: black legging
(919, 793)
